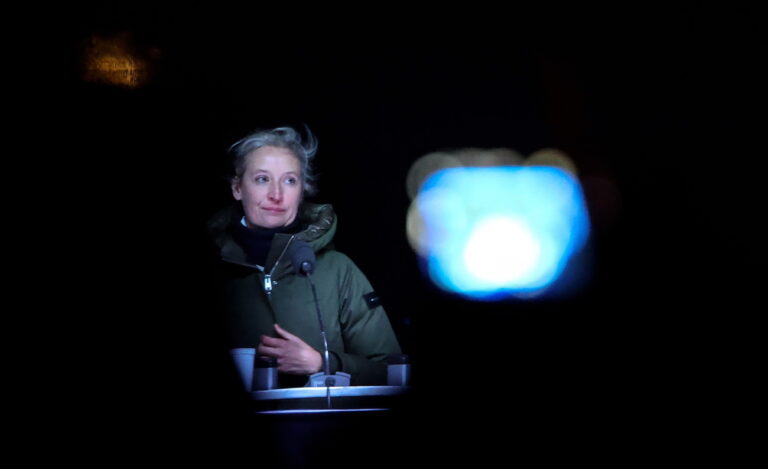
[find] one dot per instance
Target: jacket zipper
(268, 276)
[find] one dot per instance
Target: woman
(269, 307)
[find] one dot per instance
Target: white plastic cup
(398, 370)
(398, 375)
(244, 358)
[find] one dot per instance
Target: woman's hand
(294, 356)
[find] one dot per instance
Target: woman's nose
(275, 193)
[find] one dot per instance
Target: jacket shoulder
(336, 260)
(347, 274)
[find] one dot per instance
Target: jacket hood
(320, 228)
(318, 221)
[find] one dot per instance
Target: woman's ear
(236, 190)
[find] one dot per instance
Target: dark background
(660, 111)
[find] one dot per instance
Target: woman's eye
(291, 180)
(262, 179)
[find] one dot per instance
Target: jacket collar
(320, 221)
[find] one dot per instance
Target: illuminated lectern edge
(337, 391)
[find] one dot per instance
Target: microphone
(303, 260)
(302, 257)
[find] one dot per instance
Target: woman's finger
(284, 334)
(272, 341)
(269, 351)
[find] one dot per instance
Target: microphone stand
(303, 258)
(329, 381)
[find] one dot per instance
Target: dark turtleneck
(257, 241)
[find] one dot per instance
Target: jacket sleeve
(366, 331)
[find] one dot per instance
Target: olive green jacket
(253, 299)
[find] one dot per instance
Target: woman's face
(270, 189)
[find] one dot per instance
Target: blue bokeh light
(493, 232)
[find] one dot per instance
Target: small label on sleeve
(372, 300)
